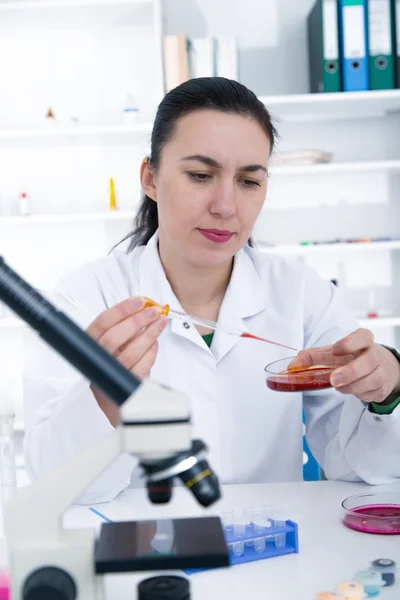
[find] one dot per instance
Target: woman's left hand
(365, 369)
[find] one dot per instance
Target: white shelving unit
(81, 58)
(77, 131)
(11, 323)
(358, 247)
(344, 105)
(356, 196)
(71, 13)
(333, 168)
(380, 322)
(65, 219)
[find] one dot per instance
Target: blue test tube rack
(252, 537)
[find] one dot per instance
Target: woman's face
(210, 185)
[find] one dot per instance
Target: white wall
(271, 35)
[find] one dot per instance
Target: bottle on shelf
(50, 118)
(23, 204)
(113, 200)
(130, 111)
(372, 308)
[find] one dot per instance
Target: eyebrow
(211, 162)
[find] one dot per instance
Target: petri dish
(373, 513)
(281, 378)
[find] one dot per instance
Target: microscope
(50, 563)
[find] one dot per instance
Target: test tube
(259, 544)
(238, 548)
(239, 523)
(227, 520)
(8, 477)
(279, 521)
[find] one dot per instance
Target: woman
(205, 184)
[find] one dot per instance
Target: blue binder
(353, 15)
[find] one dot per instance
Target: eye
(250, 183)
(199, 176)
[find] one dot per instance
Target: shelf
(327, 248)
(76, 131)
(341, 105)
(67, 218)
(11, 323)
(21, 5)
(380, 322)
(74, 13)
(337, 168)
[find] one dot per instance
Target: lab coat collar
(244, 297)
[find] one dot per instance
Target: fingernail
(337, 379)
(137, 302)
(152, 312)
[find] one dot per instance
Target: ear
(147, 180)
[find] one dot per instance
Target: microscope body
(45, 558)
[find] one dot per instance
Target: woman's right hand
(129, 332)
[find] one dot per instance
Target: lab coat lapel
(245, 297)
(154, 284)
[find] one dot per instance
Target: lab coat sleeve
(349, 442)
(62, 417)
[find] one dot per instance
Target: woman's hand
(364, 368)
(129, 332)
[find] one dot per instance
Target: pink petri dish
(373, 513)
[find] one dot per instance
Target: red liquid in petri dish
(302, 380)
(375, 518)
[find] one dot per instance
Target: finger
(118, 336)
(354, 343)
(138, 347)
(114, 315)
(310, 357)
(143, 367)
(355, 369)
(318, 356)
(372, 388)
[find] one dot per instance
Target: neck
(200, 290)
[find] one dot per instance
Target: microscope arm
(44, 502)
(155, 426)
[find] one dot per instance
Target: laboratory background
(80, 81)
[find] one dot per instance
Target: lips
(219, 236)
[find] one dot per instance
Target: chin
(211, 258)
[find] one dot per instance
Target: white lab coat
(253, 434)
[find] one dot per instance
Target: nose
(223, 202)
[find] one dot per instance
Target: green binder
(381, 44)
(323, 47)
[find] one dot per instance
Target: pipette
(174, 314)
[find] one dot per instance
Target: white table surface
(329, 551)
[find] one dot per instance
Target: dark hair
(216, 93)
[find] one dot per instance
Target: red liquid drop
(375, 518)
(317, 379)
(260, 339)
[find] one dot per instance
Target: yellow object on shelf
(113, 200)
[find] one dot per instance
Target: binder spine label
(330, 33)
(379, 27)
(354, 32)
